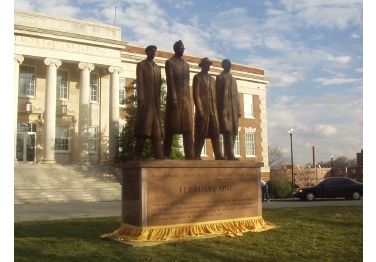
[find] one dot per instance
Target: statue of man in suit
(228, 108)
(148, 123)
(206, 117)
(178, 117)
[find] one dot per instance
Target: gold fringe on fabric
(231, 228)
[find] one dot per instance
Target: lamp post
(331, 158)
(292, 159)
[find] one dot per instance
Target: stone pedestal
(173, 199)
(158, 193)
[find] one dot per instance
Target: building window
(221, 143)
(203, 150)
(93, 139)
(122, 123)
(237, 145)
(62, 84)
(27, 81)
(250, 143)
(94, 88)
(122, 91)
(135, 94)
(181, 144)
(62, 138)
(248, 106)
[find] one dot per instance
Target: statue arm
(196, 95)
(170, 81)
(219, 92)
(140, 86)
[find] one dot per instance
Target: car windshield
(318, 183)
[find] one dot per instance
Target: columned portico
(114, 112)
(50, 111)
(84, 112)
(18, 59)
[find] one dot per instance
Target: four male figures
(206, 117)
(228, 108)
(178, 116)
(148, 123)
(216, 102)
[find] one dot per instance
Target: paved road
(55, 211)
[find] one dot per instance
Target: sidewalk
(69, 210)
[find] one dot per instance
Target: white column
(18, 59)
(84, 113)
(114, 112)
(50, 110)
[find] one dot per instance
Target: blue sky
(312, 51)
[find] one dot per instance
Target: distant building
(310, 176)
(69, 79)
(357, 171)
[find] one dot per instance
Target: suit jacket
(178, 120)
(149, 90)
(227, 102)
(204, 95)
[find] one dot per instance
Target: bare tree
(276, 160)
(277, 164)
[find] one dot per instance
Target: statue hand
(201, 114)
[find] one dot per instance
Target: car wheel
(355, 195)
(310, 196)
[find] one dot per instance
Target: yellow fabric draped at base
(231, 228)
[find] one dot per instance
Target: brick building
(69, 79)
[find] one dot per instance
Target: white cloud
(328, 14)
(335, 81)
(325, 130)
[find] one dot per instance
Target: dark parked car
(332, 187)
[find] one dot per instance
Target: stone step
(62, 183)
(66, 199)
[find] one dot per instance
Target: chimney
(314, 157)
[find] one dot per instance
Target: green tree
(127, 140)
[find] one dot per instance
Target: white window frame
(122, 91)
(250, 150)
(23, 90)
(135, 93)
(63, 135)
(248, 106)
(237, 145)
(94, 88)
(203, 150)
(62, 87)
(122, 124)
(93, 139)
(221, 143)
(181, 149)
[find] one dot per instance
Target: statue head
(179, 48)
(226, 64)
(150, 51)
(205, 64)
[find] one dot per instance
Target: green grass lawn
(301, 234)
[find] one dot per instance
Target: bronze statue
(178, 117)
(206, 117)
(148, 123)
(228, 108)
